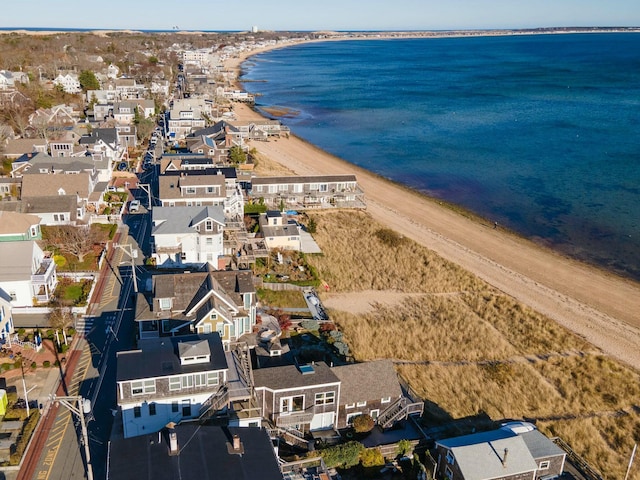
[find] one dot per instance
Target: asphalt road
(110, 329)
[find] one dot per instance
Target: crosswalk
(85, 325)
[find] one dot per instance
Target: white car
(134, 206)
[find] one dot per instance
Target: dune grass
(469, 349)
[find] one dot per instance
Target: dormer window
(165, 304)
(208, 225)
(194, 352)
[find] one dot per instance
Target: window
(325, 398)
(174, 407)
(209, 189)
(191, 190)
(450, 458)
(545, 465)
(186, 408)
(34, 231)
(361, 404)
(209, 241)
(13, 296)
(152, 409)
(175, 383)
(374, 414)
(350, 405)
(137, 412)
(141, 387)
(187, 381)
(385, 400)
(212, 378)
(351, 416)
(448, 473)
(292, 404)
(323, 187)
(200, 379)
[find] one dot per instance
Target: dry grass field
(469, 349)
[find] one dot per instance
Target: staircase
(241, 389)
(214, 403)
(399, 410)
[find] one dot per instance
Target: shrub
(389, 237)
(403, 447)
(6, 366)
(363, 423)
(46, 364)
(310, 325)
(342, 348)
(312, 226)
(371, 457)
(25, 436)
(345, 455)
(33, 365)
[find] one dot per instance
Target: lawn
(470, 350)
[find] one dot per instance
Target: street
(110, 328)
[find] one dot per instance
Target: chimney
(236, 442)
(235, 447)
(173, 440)
(504, 458)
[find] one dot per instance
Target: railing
(296, 418)
(16, 341)
(214, 403)
(577, 461)
(400, 409)
(290, 436)
(44, 271)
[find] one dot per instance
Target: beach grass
(469, 349)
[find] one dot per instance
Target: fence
(577, 461)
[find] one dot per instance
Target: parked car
(134, 206)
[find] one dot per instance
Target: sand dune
(601, 307)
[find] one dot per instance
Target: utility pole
(633, 454)
(145, 187)
(80, 406)
(133, 254)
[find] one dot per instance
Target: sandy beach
(600, 307)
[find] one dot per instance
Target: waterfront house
(198, 302)
(201, 187)
(168, 379)
(279, 231)
(187, 236)
(301, 398)
(501, 453)
(16, 227)
(306, 192)
(372, 388)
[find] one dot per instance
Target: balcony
(294, 418)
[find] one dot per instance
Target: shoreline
(593, 303)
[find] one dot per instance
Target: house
(300, 397)
(209, 186)
(9, 188)
(176, 162)
(167, 380)
(26, 275)
(187, 236)
(6, 316)
(54, 117)
(198, 302)
(187, 115)
(279, 231)
(260, 129)
(68, 82)
(372, 388)
(19, 227)
(128, 89)
(52, 210)
(501, 453)
(124, 112)
(47, 184)
(16, 148)
(195, 452)
(112, 71)
(303, 192)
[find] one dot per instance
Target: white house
(26, 275)
(168, 380)
(279, 231)
(187, 236)
(68, 82)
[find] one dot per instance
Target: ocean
(539, 133)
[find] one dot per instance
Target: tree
(345, 455)
(312, 226)
(237, 155)
(77, 241)
(60, 316)
(88, 81)
(363, 423)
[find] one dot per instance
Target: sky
(310, 15)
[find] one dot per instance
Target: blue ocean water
(540, 133)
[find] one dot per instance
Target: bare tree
(77, 241)
(60, 316)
